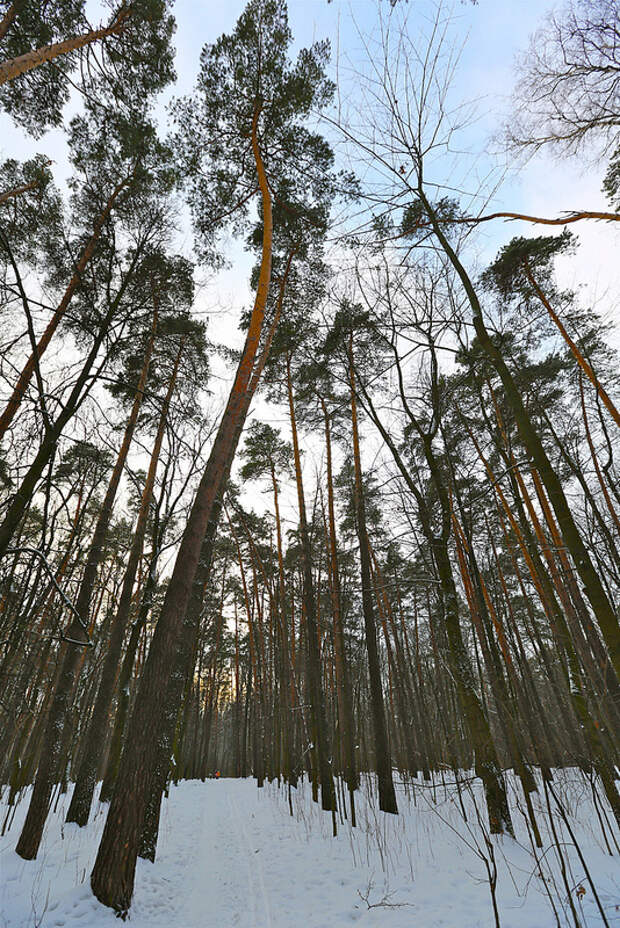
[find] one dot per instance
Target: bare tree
(568, 91)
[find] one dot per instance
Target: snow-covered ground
(231, 855)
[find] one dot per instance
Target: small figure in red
(217, 774)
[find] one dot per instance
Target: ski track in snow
(230, 856)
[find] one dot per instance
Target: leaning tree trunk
(180, 661)
(8, 17)
(112, 878)
(15, 67)
(487, 764)
(575, 351)
(47, 448)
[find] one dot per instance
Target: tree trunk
(383, 760)
(343, 686)
(319, 717)
(95, 737)
(112, 878)
(15, 67)
(47, 448)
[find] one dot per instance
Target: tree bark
(343, 685)
(15, 67)
(95, 737)
(112, 878)
(383, 759)
(319, 717)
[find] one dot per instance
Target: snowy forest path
(218, 877)
(254, 867)
(207, 874)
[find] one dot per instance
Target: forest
(309, 481)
